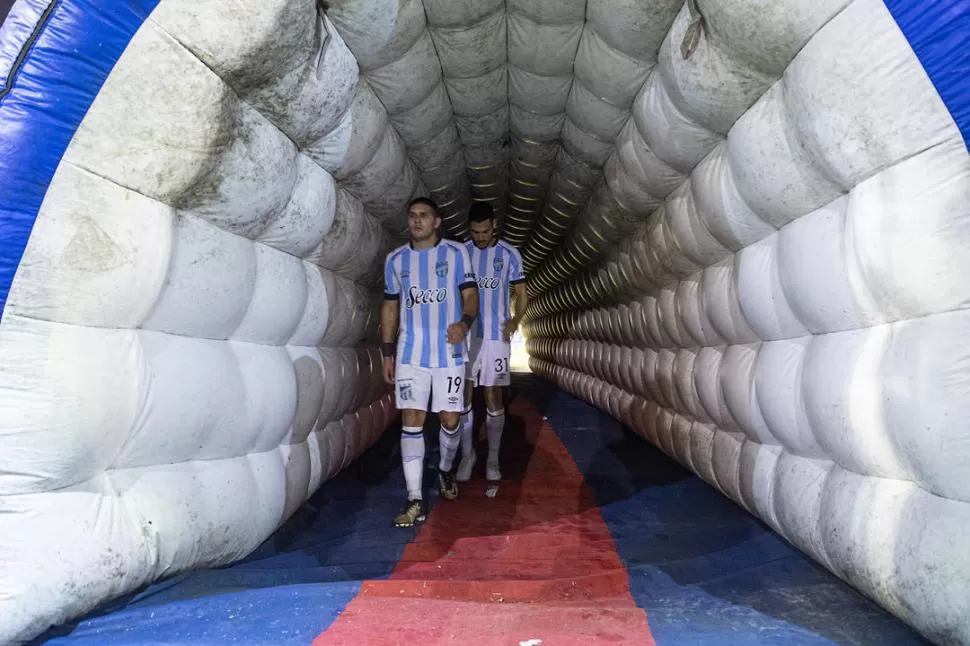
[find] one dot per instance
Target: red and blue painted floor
(594, 537)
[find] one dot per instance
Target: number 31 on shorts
(502, 365)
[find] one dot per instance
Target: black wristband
(387, 349)
(467, 320)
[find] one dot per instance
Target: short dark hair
(480, 211)
(427, 201)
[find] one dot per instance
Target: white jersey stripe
(454, 315)
(438, 350)
(410, 340)
(501, 315)
(430, 313)
(424, 313)
(482, 293)
(494, 299)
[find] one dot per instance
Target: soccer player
(498, 268)
(430, 294)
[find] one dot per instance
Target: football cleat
(447, 485)
(465, 467)
(492, 472)
(412, 513)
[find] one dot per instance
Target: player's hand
(389, 370)
(457, 333)
(508, 329)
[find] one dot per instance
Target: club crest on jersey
(441, 269)
(497, 264)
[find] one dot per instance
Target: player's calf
(468, 455)
(448, 439)
(412, 457)
(494, 424)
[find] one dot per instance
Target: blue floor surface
(705, 571)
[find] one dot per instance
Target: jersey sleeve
(466, 274)
(516, 273)
(392, 282)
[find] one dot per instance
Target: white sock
(412, 456)
(494, 425)
(467, 433)
(448, 439)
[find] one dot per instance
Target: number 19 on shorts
(454, 385)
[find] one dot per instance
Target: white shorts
(488, 363)
(444, 386)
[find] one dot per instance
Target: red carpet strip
(535, 565)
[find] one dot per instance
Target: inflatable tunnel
(745, 224)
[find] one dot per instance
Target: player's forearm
(469, 303)
(389, 321)
(521, 304)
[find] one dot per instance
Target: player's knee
(493, 398)
(411, 417)
(449, 422)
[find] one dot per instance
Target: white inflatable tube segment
(788, 322)
(189, 343)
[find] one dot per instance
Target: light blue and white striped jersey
(496, 268)
(428, 284)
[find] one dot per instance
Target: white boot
(465, 466)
